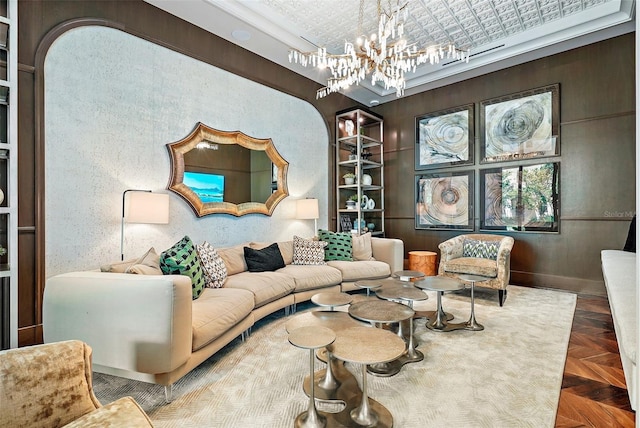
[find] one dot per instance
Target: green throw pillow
(480, 249)
(339, 245)
(182, 259)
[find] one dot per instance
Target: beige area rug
(508, 375)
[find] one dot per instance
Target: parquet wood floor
(594, 393)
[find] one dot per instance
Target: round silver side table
(311, 338)
(472, 324)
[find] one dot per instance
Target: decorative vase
(353, 157)
(351, 205)
(364, 202)
(371, 227)
(366, 179)
(349, 126)
(349, 180)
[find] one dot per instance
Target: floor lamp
(143, 206)
(307, 209)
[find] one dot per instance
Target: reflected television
(208, 187)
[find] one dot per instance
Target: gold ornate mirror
(227, 172)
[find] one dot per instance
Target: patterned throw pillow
(215, 271)
(182, 259)
(480, 249)
(308, 252)
(338, 245)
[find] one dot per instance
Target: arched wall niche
(112, 101)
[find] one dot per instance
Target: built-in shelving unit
(9, 173)
(359, 151)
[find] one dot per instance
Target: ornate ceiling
(499, 33)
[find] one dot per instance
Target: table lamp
(307, 209)
(143, 206)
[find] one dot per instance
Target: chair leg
(502, 296)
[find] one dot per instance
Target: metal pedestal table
(382, 312)
(366, 345)
(330, 381)
(440, 284)
(404, 292)
(331, 300)
(369, 284)
(472, 324)
(408, 275)
(311, 338)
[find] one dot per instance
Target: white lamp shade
(146, 207)
(307, 209)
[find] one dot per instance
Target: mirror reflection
(227, 172)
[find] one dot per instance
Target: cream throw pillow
(150, 259)
(361, 247)
(234, 258)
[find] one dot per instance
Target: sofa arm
(390, 251)
(139, 323)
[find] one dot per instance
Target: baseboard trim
(577, 285)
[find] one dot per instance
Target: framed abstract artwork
(521, 198)
(444, 200)
(521, 126)
(445, 138)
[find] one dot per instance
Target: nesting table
(329, 381)
(380, 312)
(439, 320)
(472, 324)
(402, 291)
(331, 299)
(367, 346)
(311, 338)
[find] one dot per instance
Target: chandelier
(386, 57)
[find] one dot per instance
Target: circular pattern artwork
(520, 126)
(444, 138)
(443, 201)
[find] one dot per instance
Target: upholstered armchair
(479, 254)
(51, 386)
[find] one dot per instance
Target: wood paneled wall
(597, 115)
(597, 152)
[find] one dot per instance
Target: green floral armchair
(479, 254)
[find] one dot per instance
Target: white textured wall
(112, 102)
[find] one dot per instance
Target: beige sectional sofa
(148, 328)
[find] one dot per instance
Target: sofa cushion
(182, 259)
(265, 286)
(480, 249)
(472, 266)
(357, 270)
(149, 258)
(339, 245)
(361, 246)
(310, 277)
(215, 270)
(286, 249)
(234, 259)
(216, 311)
(267, 259)
(144, 270)
(308, 252)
